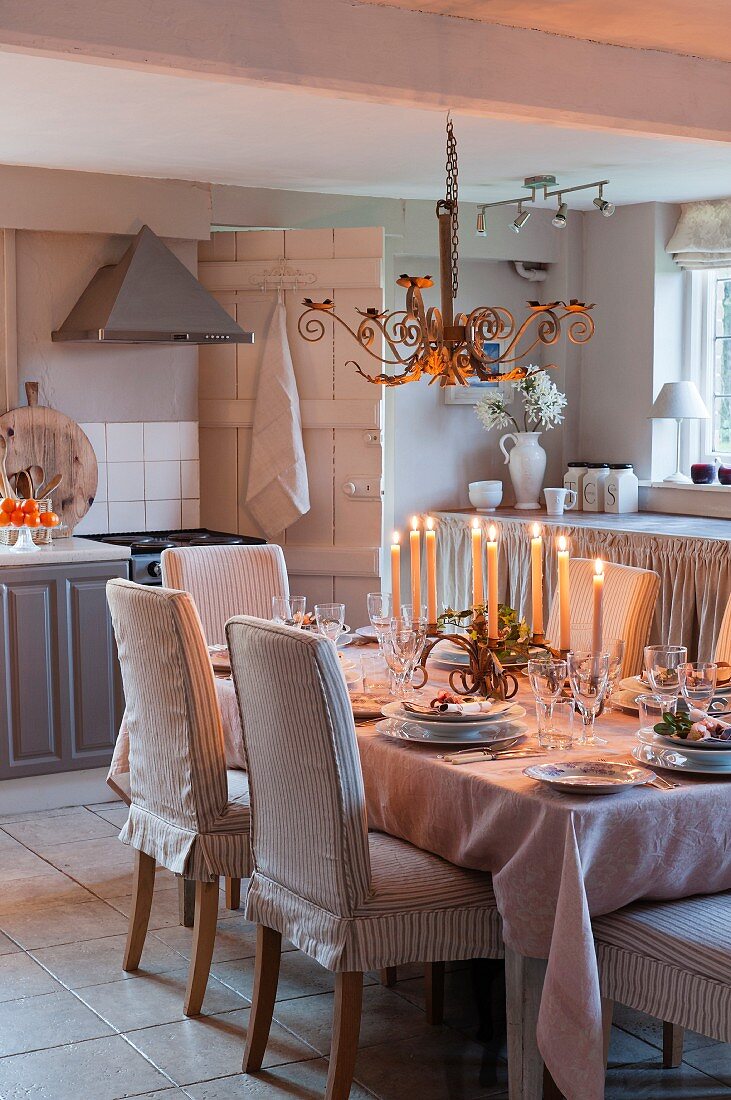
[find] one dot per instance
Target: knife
(476, 756)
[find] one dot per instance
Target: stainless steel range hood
(149, 297)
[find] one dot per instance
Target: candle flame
(562, 543)
(492, 533)
(429, 523)
(475, 524)
(599, 567)
(414, 523)
(396, 538)
(536, 531)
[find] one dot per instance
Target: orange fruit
(32, 519)
(49, 519)
(4, 519)
(8, 505)
(17, 518)
(29, 505)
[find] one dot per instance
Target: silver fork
(658, 781)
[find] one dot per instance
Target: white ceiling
(700, 29)
(65, 114)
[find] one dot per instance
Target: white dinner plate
(345, 640)
(675, 761)
(714, 752)
(589, 776)
(510, 711)
(497, 710)
(639, 686)
(367, 632)
(499, 734)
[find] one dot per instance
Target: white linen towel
(277, 492)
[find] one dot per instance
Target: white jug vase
(527, 463)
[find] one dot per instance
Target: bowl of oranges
(26, 525)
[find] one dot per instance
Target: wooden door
(333, 551)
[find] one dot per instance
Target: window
(712, 290)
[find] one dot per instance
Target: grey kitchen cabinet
(61, 697)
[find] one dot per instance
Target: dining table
(556, 860)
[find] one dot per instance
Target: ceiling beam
(387, 55)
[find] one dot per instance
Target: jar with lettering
(592, 491)
(574, 479)
(621, 489)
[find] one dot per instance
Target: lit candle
(478, 594)
(396, 573)
(536, 562)
(430, 542)
(598, 620)
(564, 603)
(492, 605)
(415, 542)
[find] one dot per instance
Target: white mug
(558, 499)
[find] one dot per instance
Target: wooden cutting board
(42, 436)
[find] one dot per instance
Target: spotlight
(520, 221)
(559, 218)
(607, 208)
(481, 230)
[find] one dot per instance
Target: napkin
(477, 707)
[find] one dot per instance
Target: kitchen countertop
(65, 551)
(645, 523)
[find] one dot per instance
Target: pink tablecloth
(556, 859)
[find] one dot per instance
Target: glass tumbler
(698, 683)
(289, 610)
(653, 707)
(556, 723)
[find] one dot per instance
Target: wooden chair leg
(346, 1029)
(388, 976)
(142, 890)
(233, 893)
(186, 902)
(672, 1045)
(607, 1014)
(434, 985)
(266, 979)
(204, 937)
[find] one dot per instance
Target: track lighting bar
(560, 217)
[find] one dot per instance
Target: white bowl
(486, 496)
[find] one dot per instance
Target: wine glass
(588, 675)
(662, 664)
(698, 683)
(289, 610)
(402, 648)
(410, 613)
(330, 619)
(379, 613)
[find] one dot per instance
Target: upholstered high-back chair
(352, 900)
(180, 814)
(226, 581)
(722, 648)
(630, 595)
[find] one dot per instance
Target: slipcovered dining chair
(722, 648)
(226, 581)
(630, 595)
(671, 960)
(352, 900)
(182, 814)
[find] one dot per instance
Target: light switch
(363, 488)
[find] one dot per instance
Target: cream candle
(492, 604)
(564, 600)
(396, 574)
(536, 563)
(430, 544)
(415, 546)
(478, 591)
(597, 626)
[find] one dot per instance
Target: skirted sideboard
(692, 556)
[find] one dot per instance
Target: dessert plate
(589, 776)
(497, 735)
(501, 712)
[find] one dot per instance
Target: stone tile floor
(74, 1027)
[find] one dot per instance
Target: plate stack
(495, 726)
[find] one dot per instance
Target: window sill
(677, 486)
(712, 501)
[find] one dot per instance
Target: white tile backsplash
(98, 439)
(101, 485)
(96, 520)
(162, 480)
(125, 481)
(128, 515)
(124, 443)
(188, 439)
(162, 515)
(162, 441)
(190, 480)
(191, 516)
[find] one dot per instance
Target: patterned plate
(589, 776)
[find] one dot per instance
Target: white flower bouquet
(541, 399)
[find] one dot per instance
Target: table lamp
(679, 401)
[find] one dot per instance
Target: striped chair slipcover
(671, 960)
(182, 814)
(722, 649)
(226, 581)
(630, 595)
(350, 899)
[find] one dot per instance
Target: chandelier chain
(452, 197)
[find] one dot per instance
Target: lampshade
(679, 401)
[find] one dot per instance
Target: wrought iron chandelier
(445, 346)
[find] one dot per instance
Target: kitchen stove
(147, 546)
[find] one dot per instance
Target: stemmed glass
(588, 676)
(698, 683)
(547, 677)
(410, 613)
(379, 613)
(330, 619)
(289, 610)
(662, 665)
(402, 647)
